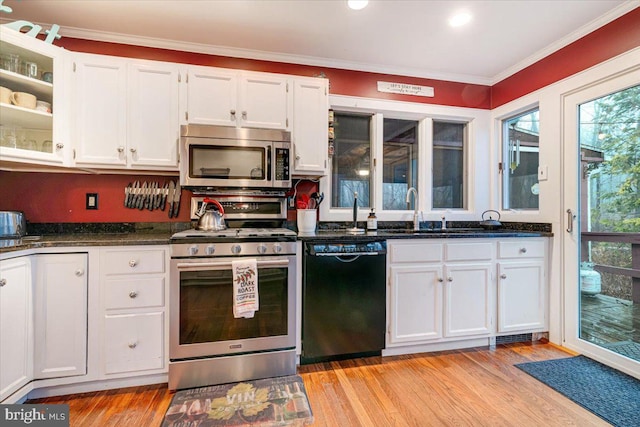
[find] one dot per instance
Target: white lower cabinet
(431, 298)
(444, 290)
(133, 283)
(522, 286)
(16, 326)
(60, 305)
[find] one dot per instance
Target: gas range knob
(262, 249)
(210, 250)
(277, 248)
(236, 249)
(193, 250)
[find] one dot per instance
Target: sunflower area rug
(280, 401)
(610, 394)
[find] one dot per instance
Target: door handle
(570, 218)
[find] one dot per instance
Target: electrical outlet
(92, 201)
(543, 173)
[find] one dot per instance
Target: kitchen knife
(152, 196)
(127, 195)
(171, 194)
(135, 192)
(158, 196)
(176, 201)
(143, 196)
(165, 192)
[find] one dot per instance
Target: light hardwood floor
(473, 387)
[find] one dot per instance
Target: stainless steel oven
(208, 345)
(220, 156)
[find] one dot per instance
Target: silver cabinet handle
(440, 279)
(503, 276)
(244, 115)
(133, 263)
(3, 281)
(121, 149)
(133, 150)
(133, 294)
(449, 279)
(570, 218)
(80, 272)
(59, 146)
(133, 344)
(523, 250)
(233, 114)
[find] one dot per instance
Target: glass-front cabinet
(32, 109)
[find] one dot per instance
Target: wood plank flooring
(473, 387)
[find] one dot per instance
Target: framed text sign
(405, 89)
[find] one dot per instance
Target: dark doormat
(610, 394)
(280, 401)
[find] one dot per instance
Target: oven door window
(228, 162)
(206, 312)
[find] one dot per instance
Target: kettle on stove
(211, 219)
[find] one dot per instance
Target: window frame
(424, 114)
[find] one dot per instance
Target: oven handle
(210, 264)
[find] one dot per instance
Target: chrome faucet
(444, 222)
(416, 222)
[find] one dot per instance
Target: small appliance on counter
(13, 225)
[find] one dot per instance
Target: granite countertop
(124, 234)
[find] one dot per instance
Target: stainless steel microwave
(219, 156)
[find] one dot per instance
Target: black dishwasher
(343, 300)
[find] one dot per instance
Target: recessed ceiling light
(357, 4)
(460, 19)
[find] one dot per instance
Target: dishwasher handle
(342, 254)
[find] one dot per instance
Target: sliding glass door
(602, 216)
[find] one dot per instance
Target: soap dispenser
(372, 221)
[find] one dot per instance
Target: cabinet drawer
(521, 249)
(474, 251)
(415, 252)
(134, 342)
(134, 293)
(134, 261)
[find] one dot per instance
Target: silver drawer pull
(133, 263)
(440, 279)
(80, 272)
(133, 294)
(503, 276)
(523, 250)
(449, 279)
(133, 344)
(3, 281)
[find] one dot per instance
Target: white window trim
(478, 151)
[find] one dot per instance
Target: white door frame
(570, 240)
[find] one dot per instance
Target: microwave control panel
(282, 164)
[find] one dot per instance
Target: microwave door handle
(268, 164)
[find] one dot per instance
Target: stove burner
(238, 233)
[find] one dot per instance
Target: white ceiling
(401, 37)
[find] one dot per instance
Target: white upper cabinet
(153, 129)
(310, 126)
(217, 96)
(100, 84)
(127, 113)
(30, 133)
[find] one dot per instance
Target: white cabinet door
(60, 315)
(468, 300)
(310, 126)
(212, 96)
(264, 101)
(134, 342)
(415, 303)
(522, 296)
(16, 326)
(154, 124)
(99, 106)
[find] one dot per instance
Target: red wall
(49, 197)
(60, 197)
(615, 38)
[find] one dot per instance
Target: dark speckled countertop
(125, 234)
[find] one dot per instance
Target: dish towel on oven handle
(245, 287)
